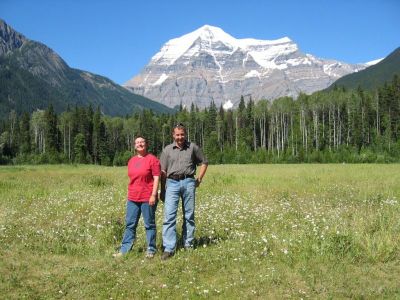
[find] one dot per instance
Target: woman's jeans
(175, 189)
(133, 211)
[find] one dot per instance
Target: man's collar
(185, 145)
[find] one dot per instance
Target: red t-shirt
(141, 171)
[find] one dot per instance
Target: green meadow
(263, 232)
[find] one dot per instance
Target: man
(178, 167)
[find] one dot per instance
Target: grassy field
(263, 231)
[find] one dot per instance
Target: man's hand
(198, 181)
(201, 174)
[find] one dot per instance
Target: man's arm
(202, 172)
(200, 159)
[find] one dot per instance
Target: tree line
(336, 126)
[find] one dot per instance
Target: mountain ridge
(374, 76)
(32, 76)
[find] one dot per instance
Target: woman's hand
(152, 200)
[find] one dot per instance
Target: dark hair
(179, 126)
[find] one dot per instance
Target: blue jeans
(133, 211)
(175, 189)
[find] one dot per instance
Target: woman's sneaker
(118, 255)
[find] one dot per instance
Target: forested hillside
(335, 126)
(372, 77)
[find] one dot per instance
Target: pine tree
(80, 148)
(24, 137)
(210, 119)
(96, 138)
(89, 131)
(51, 131)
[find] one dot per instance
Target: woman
(144, 173)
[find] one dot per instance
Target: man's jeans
(179, 188)
(133, 211)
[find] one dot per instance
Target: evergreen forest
(336, 126)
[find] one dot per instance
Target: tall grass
(263, 231)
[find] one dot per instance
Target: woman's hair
(139, 136)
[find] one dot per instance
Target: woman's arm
(153, 196)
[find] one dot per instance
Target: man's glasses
(179, 125)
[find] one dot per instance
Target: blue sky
(117, 38)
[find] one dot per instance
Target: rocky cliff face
(209, 64)
(10, 39)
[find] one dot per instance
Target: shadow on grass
(203, 241)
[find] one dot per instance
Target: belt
(180, 177)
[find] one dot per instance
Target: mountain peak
(176, 47)
(207, 27)
(9, 38)
(210, 29)
(212, 33)
(211, 36)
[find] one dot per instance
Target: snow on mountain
(160, 80)
(373, 62)
(262, 51)
(175, 48)
(252, 73)
(228, 105)
(209, 64)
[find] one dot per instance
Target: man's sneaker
(118, 255)
(149, 255)
(166, 255)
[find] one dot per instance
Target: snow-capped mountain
(209, 64)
